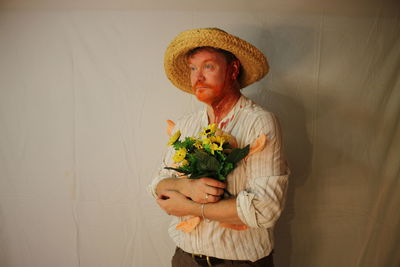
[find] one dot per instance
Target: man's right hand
(203, 190)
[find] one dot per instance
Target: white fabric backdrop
(83, 104)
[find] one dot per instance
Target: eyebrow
(206, 61)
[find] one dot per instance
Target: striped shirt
(259, 183)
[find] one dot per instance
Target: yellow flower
(214, 147)
(198, 144)
(180, 155)
(220, 140)
(214, 143)
(174, 138)
(231, 140)
(206, 141)
(209, 130)
(184, 163)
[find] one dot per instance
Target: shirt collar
(230, 117)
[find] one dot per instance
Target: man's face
(209, 76)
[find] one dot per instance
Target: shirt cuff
(262, 204)
(245, 209)
(151, 188)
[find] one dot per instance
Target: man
(214, 65)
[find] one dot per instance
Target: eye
(192, 68)
(209, 66)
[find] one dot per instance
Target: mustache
(200, 84)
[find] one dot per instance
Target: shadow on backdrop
(298, 151)
(284, 56)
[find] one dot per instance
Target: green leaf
(221, 177)
(186, 169)
(188, 143)
(238, 154)
(206, 162)
(207, 147)
(220, 156)
(177, 145)
(227, 168)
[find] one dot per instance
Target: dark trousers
(184, 259)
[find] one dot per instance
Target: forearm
(172, 184)
(222, 211)
(203, 190)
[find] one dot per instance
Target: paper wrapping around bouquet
(190, 224)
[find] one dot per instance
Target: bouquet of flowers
(211, 154)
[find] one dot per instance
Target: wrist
(197, 209)
(181, 186)
(202, 211)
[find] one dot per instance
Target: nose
(197, 76)
(200, 75)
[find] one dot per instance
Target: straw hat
(254, 65)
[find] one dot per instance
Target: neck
(218, 110)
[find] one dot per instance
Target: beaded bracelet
(202, 213)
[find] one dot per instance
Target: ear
(235, 67)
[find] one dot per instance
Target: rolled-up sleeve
(162, 174)
(262, 205)
(262, 202)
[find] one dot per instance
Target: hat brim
(254, 64)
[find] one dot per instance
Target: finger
(213, 182)
(202, 201)
(208, 198)
(202, 197)
(214, 191)
(212, 199)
